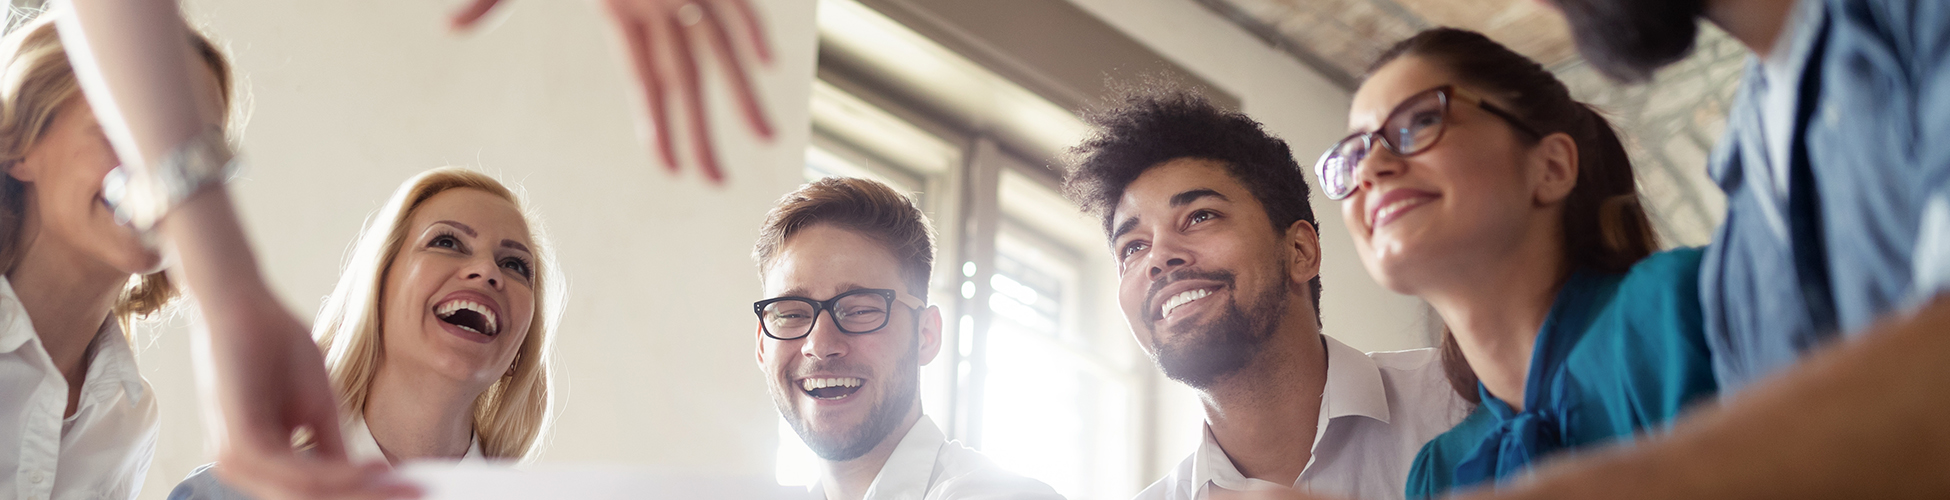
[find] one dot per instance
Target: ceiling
(1669, 124)
(1340, 37)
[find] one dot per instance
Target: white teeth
(824, 382)
(452, 306)
(1398, 205)
(1181, 299)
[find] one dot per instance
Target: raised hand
(662, 38)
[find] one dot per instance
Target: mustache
(1151, 296)
(840, 365)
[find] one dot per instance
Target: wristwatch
(140, 201)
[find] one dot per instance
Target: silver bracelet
(141, 201)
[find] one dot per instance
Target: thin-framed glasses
(864, 310)
(1413, 127)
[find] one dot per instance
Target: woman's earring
(513, 365)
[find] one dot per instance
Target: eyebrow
(1186, 198)
(515, 245)
(800, 291)
(1177, 200)
(1123, 227)
(462, 227)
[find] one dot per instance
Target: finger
(328, 444)
(694, 101)
(643, 46)
(468, 16)
(741, 85)
(753, 30)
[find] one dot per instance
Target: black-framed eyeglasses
(865, 310)
(1413, 127)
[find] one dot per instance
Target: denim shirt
(1864, 228)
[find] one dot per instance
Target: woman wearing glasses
(1478, 184)
(436, 337)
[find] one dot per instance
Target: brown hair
(511, 416)
(864, 206)
(1605, 228)
(35, 82)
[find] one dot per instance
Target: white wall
(351, 97)
(1307, 111)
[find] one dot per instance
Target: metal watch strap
(141, 201)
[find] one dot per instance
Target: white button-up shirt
(104, 450)
(1376, 412)
(927, 466)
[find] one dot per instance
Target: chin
(124, 250)
(1389, 270)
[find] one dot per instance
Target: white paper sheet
(449, 481)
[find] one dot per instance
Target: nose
(1166, 255)
(825, 340)
(1380, 163)
(485, 269)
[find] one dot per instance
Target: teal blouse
(1618, 353)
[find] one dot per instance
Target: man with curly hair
(1218, 263)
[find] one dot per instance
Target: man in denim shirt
(1825, 290)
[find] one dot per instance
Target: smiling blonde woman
(437, 335)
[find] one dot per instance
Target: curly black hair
(1151, 124)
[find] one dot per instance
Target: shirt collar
(910, 467)
(361, 446)
(1354, 385)
(1353, 389)
(112, 362)
(15, 328)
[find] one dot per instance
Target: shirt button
(36, 478)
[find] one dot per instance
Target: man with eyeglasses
(841, 339)
(1218, 263)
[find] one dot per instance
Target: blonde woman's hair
(35, 82)
(513, 414)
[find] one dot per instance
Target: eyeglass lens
(1410, 129)
(855, 313)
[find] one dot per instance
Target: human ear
(1303, 259)
(25, 170)
(930, 334)
(1554, 168)
(759, 343)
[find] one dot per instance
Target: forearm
(134, 62)
(1866, 419)
(214, 261)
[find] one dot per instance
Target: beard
(1628, 40)
(848, 444)
(1200, 354)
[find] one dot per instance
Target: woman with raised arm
(1475, 182)
(266, 375)
(77, 420)
(437, 335)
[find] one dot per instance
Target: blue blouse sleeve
(1651, 360)
(202, 484)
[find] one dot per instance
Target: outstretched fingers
(642, 40)
(714, 28)
(468, 16)
(689, 84)
(756, 32)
